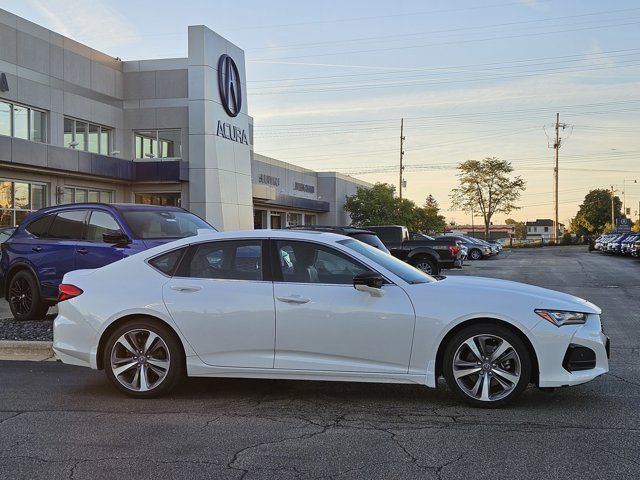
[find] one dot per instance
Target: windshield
(163, 224)
(405, 271)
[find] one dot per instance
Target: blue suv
(56, 240)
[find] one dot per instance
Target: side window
(231, 260)
(101, 222)
(68, 225)
(168, 262)
(303, 262)
(38, 228)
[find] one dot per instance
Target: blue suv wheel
(24, 297)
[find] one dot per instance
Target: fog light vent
(579, 358)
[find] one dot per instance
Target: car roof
(346, 230)
(117, 206)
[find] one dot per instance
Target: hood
(538, 296)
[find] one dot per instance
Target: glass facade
(82, 195)
(157, 144)
(165, 199)
(86, 136)
(18, 199)
(23, 122)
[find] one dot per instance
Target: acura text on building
(232, 132)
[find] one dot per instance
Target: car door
(324, 324)
(54, 254)
(91, 250)
(222, 301)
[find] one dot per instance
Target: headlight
(561, 317)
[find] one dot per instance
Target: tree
(520, 228)
(372, 206)
(379, 206)
(594, 214)
(428, 218)
(486, 186)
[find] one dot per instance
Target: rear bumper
(74, 341)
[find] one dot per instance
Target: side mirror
(370, 282)
(117, 239)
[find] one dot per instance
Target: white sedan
(319, 306)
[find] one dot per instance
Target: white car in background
(318, 306)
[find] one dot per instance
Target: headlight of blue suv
(561, 317)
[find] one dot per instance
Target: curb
(35, 351)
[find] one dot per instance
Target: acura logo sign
(229, 85)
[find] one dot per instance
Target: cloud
(94, 23)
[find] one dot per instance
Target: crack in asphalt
(625, 380)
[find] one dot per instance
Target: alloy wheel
(486, 367)
(475, 255)
(425, 267)
(21, 296)
(140, 360)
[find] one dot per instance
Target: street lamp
(624, 194)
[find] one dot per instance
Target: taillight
(454, 249)
(67, 291)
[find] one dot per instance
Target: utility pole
(556, 148)
(613, 221)
(401, 155)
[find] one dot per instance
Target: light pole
(624, 194)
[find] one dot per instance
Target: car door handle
(82, 251)
(185, 288)
(36, 249)
(294, 299)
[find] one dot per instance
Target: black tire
(174, 354)
(25, 300)
(490, 331)
(426, 264)
(475, 254)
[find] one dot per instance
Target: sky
(329, 81)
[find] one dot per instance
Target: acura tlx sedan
(319, 306)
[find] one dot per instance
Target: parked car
(430, 256)
(367, 236)
(635, 247)
(345, 312)
(422, 236)
(477, 250)
(5, 233)
(625, 245)
(56, 240)
(615, 245)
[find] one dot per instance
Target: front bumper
(553, 343)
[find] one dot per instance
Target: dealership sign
(623, 225)
(4, 84)
(230, 89)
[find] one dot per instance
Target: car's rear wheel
(144, 359)
(25, 300)
(487, 365)
(475, 254)
(427, 265)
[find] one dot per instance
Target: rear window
(372, 240)
(40, 226)
(163, 224)
(168, 262)
(68, 225)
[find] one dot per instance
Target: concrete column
(219, 167)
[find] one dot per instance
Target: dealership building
(78, 125)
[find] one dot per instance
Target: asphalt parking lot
(59, 421)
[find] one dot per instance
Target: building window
(18, 199)
(86, 136)
(83, 195)
(23, 122)
(310, 219)
(546, 229)
(294, 219)
(157, 144)
(165, 199)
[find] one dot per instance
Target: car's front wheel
(25, 300)
(487, 365)
(144, 359)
